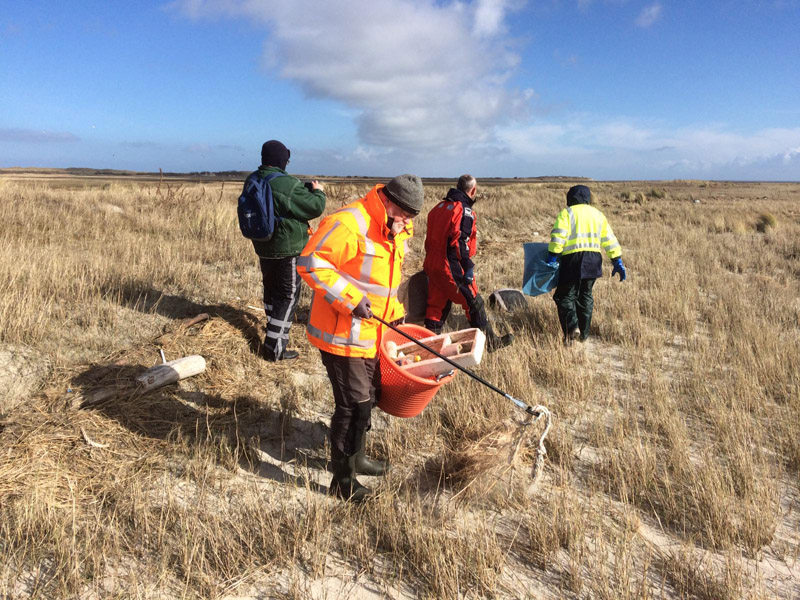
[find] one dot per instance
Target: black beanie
(274, 154)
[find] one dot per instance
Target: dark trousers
(356, 386)
(281, 294)
(575, 303)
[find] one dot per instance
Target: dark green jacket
(296, 205)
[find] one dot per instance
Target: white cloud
(489, 16)
(420, 74)
(653, 150)
(790, 155)
(649, 15)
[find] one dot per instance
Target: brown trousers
(356, 384)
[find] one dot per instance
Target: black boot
(434, 326)
(366, 465)
(495, 342)
(269, 355)
(344, 483)
(478, 319)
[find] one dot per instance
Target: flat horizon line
(225, 175)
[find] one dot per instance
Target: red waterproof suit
(450, 244)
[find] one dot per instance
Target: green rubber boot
(366, 465)
(344, 483)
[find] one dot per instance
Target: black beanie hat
(579, 194)
(274, 154)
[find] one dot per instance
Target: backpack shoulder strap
(268, 177)
(268, 190)
(271, 176)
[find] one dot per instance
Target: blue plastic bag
(538, 277)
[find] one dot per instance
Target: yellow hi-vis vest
(351, 256)
(583, 228)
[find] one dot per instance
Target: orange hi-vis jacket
(351, 255)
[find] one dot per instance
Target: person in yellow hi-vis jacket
(579, 235)
(353, 263)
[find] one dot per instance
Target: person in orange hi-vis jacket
(450, 245)
(353, 264)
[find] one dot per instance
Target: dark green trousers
(575, 303)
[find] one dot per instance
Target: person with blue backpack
(579, 236)
(274, 211)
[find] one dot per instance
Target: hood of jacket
(579, 194)
(457, 195)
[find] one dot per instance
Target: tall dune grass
(672, 467)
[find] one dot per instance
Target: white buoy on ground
(171, 372)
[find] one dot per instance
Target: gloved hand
(618, 268)
(469, 275)
(552, 259)
(364, 309)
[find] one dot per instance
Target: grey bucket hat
(406, 191)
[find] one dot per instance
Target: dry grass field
(672, 466)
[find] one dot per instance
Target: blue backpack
(257, 218)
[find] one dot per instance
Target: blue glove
(469, 275)
(618, 268)
(552, 260)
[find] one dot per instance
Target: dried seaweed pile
(494, 468)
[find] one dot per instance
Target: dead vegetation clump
(766, 222)
(493, 470)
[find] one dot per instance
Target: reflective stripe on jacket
(583, 228)
(348, 257)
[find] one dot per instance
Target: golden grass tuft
(766, 222)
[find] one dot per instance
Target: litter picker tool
(535, 412)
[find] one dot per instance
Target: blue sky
(609, 89)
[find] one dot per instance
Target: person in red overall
(450, 244)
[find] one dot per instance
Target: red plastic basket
(402, 394)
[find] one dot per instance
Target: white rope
(541, 451)
(538, 464)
